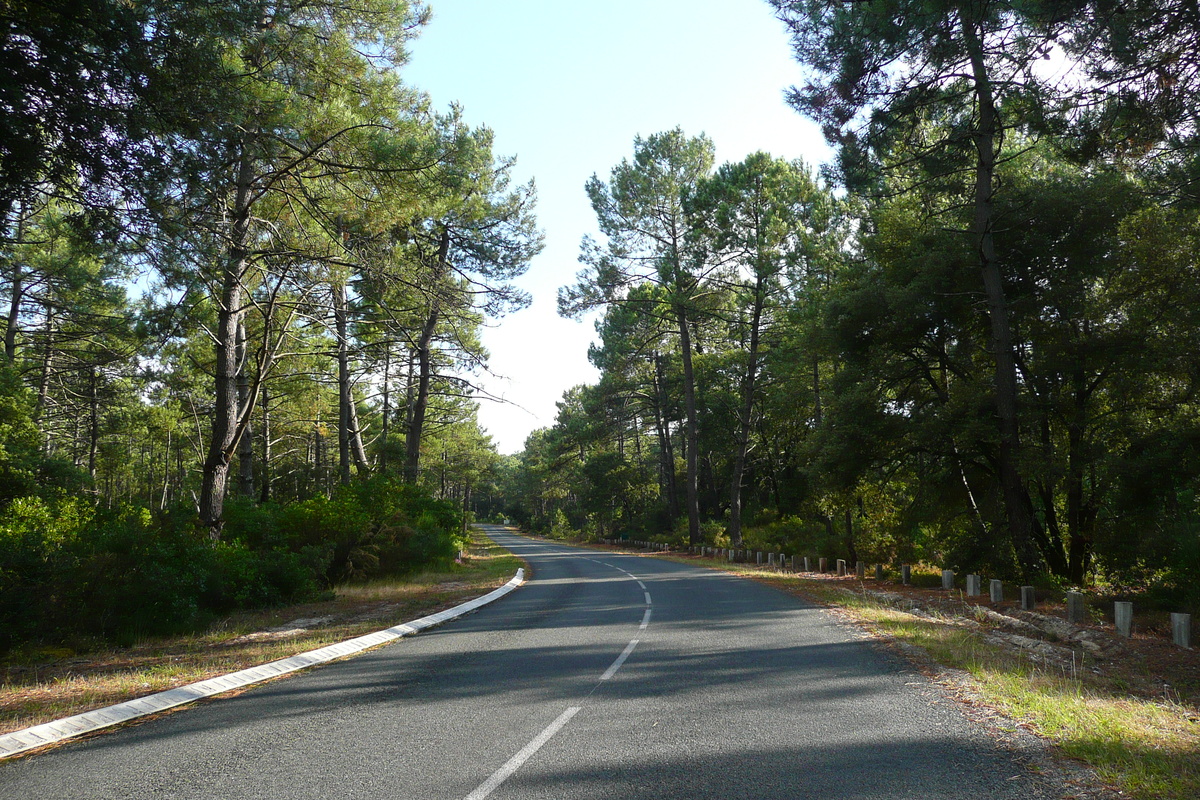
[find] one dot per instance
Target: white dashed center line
(514, 763)
(616, 665)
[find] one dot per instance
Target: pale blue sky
(566, 86)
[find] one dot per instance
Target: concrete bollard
(860, 570)
(792, 564)
(758, 557)
(973, 589)
(779, 561)
(879, 572)
(1027, 598)
(947, 579)
(822, 565)
(1076, 610)
(996, 590)
(1181, 630)
(905, 574)
(806, 567)
(841, 567)
(1123, 617)
(770, 559)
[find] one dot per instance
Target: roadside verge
(38, 736)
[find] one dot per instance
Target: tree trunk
(1080, 515)
(345, 401)
(816, 386)
(851, 550)
(356, 443)
(665, 448)
(265, 490)
(691, 428)
(165, 498)
(16, 297)
(93, 422)
(745, 422)
(410, 389)
(986, 136)
(246, 442)
(387, 407)
(224, 436)
(412, 445)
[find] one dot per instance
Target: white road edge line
(616, 665)
(68, 728)
(514, 763)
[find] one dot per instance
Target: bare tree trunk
(743, 436)
(387, 407)
(319, 457)
(412, 461)
(851, 550)
(265, 491)
(93, 422)
(16, 297)
(987, 136)
(691, 428)
(165, 499)
(224, 436)
(356, 443)
(816, 386)
(43, 389)
(665, 448)
(410, 389)
(246, 442)
(340, 314)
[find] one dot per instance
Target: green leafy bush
(69, 569)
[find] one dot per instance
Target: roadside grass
(39, 685)
(1149, 748)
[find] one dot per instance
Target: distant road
(606, 676)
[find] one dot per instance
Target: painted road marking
(616, 665)
(514, 763)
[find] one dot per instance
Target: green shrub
(69, 569)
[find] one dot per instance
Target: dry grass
(45, 684)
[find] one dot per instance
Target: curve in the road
(734, 690)
(59, 730)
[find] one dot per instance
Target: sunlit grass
(51, 683)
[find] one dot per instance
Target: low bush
(68, 569)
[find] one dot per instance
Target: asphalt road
(732, 690)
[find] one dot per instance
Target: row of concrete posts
(1181, 624)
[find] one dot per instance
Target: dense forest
(970, 342)
(243, 268)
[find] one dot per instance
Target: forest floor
(1128, 708)
(40, 684)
